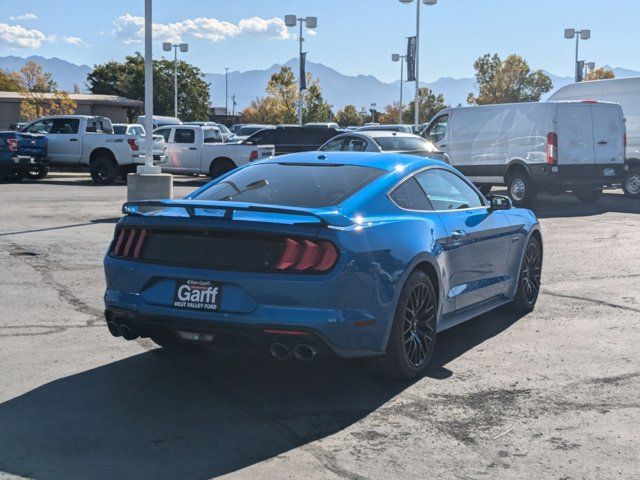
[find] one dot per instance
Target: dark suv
(292, 139)
(22, 154)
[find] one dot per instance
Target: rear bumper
(23, 163)
(348, 324)
(568, 176)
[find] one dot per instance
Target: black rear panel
(212, 249)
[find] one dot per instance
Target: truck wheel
(220, 167)
(104, 171)
(521, 189)
(38, 173)
(588, 195)
(13, 176)
(631, 185)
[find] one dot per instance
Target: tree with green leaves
(315, 108)
(126, 79)
(41, 94)
(349, 116)
(10, 81)
(508, 81)
(429, 104)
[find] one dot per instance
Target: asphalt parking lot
(554, 394)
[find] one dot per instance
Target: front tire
(631, 185)
(588, 195)
(529, 278)
(104, 171)
(413, 333)
(521, 188)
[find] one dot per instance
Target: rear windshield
(408, 144)
(119, 129)
(295, 185)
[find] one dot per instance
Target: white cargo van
(551, 146)
(626, 92)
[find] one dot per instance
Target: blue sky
(353, 36)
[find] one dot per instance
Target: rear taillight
(307, 255)
(13, 144)
(129, 242)
(552, 148)
(133, 144)
(253, 156)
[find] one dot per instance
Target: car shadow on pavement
(162, 415)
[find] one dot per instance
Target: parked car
(292, 139)
(128, 129)
(199, 150)
(382, 141)
(88, 141)
(246, 131)
(22, 154)
(626, 92)
(368, 255)
(551, 146)
(333, 125)
(160, 121)
(234, 128)
(388, 128)
(224, 131)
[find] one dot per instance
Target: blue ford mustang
(362, 255)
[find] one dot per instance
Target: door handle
(444, 145)
(602, 142)
(192, 148)
(73, 139)
(458, 235)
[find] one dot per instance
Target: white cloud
(25, 16)
(130, 29)
(73, 40)
(15, 36)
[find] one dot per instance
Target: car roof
(379, 134)
(383, 161)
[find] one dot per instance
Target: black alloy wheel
(530, 278)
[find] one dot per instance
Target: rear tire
(588, 195)
(521, 188)
(220, 167)
(38, 173)
(13, 176)
(413, 333)
(631, 185)
(104, 171)
(529, 278)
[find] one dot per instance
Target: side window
(438, 130)
(262, 137)
(137, 131)
(184, 135)
(43, 126)
(410, 196)
(447, 191)
(334, 145)
(212, 136)
(65, 126)
(355, 144)
(165, 132)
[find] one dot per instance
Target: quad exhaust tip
(279, 351)
(302, 351)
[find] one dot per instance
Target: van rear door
(575, 137)
(608, 134)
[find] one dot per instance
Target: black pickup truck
(22, 154)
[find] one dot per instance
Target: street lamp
(396, 57)
(184, 47)
(373, 112)
(311, 22)
(570, 33)
(226, 91)
(429, 3)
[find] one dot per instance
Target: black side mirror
(500, 202)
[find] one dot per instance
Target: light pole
(396, 57)
(373, 112)
(233, 103)
(226, 91)
(184, 47)
(584, 34)
(429, 3)
(311, 22)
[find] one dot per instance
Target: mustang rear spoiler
(142, 207)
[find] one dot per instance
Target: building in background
(118, 109)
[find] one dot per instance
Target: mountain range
(338, 89)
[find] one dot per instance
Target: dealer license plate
(197, 295)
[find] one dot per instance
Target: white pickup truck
(193, 149)
(89, 141)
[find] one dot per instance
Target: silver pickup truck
(89, 141)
